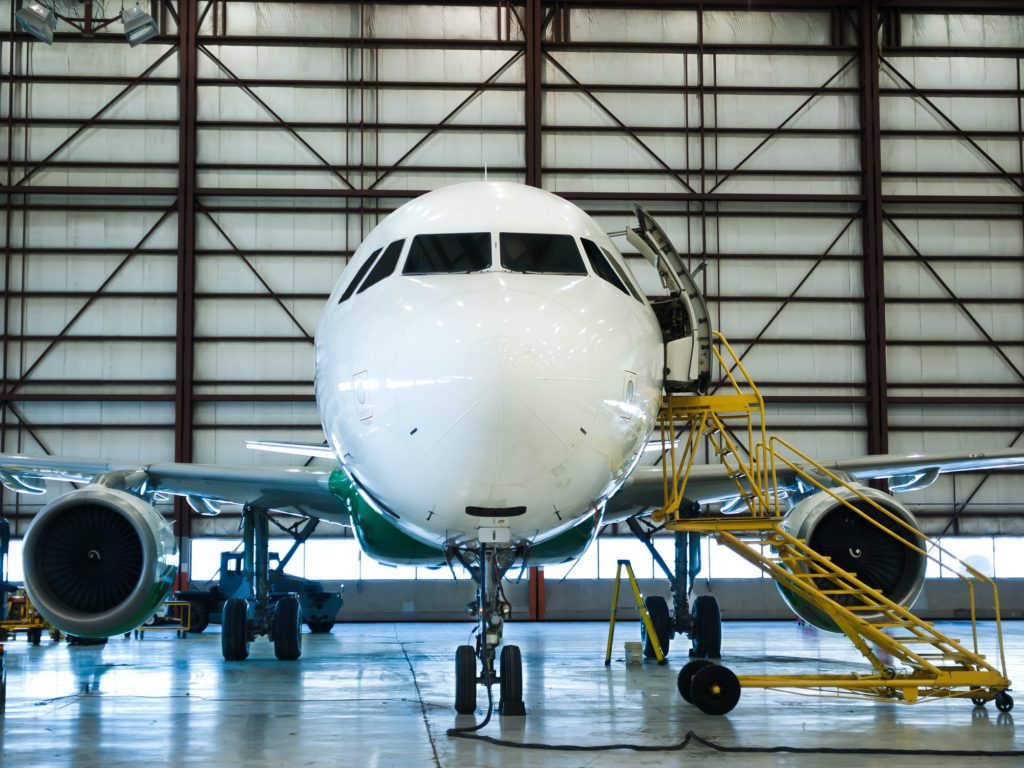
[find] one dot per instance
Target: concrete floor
(381, 695)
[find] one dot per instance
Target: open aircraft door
(683, 315)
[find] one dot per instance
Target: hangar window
(363, 269)
(548, 254)
(608, 269)
(460, 252)
(385, 266)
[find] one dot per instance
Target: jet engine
(867, 547)
(98, 561)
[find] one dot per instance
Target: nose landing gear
(488, 564)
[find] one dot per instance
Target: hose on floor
(694, 738)
(468, 731)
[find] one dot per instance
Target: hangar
(185, 182)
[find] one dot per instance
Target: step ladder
(649, 629)
(912, 659)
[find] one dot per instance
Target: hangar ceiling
(176, 213)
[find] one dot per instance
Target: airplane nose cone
(509, 398)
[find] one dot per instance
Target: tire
(287, 629)
(234, 631)
(465, 680)
(1004, 701)
(35, 636)
(685, 679)
(715, 689)
(657, 609)
(706, 632)
(511, 671)
(321, 627)
(199, 615)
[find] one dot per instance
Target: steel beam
(188, 64)
(533, 30)
(874, 265)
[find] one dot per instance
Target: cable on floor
(469, 731)
(694, 738)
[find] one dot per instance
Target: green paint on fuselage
(386, 542)
(378, 537)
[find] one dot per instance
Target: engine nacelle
(858, 546)
(98, 561)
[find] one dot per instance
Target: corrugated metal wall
(175, 214)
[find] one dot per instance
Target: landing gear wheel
(465, 680)
(707, 628)
(511, 672)
(198, 615)
(320, 627)
(715, 689)
(685, 679)
(234, 631)
(657, 609)
(287, 629)
(1004, 701)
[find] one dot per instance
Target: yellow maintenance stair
(912, 660)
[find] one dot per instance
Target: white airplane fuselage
(484, 396)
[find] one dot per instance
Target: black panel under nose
(495, 511)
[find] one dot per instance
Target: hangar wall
(174, 214)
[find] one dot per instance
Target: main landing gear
(488, 564)
(701, 620)
(246, 618)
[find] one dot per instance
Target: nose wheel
(488, 564)
(465, 680)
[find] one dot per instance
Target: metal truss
(535, 41)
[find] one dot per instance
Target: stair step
(844, 592)
(866, 607)
(958, 657)
(909, 639)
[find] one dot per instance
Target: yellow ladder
(935, 665)
(645, 617)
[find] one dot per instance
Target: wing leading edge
(711, 483)
(295, 490)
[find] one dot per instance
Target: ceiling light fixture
(38, 20)
(139, 26)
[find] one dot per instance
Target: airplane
(488, 374)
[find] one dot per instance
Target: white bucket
(634, 653)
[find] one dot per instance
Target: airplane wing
(293, 490)
(711, 483)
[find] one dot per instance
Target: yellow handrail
(839, 481)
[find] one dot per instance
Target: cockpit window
(601, 266)
(608, 269)
(385, 266)
(359, 275)
(549, 254)
(460, 252)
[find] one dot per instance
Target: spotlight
(139, 26)
(38, 21)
